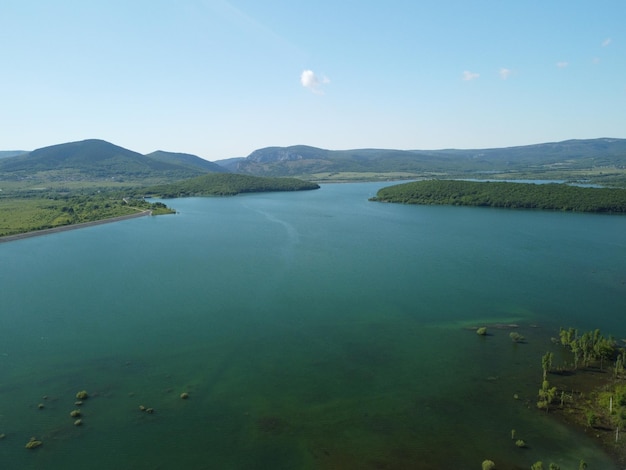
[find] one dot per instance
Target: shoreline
(587, 383)
(65, 228)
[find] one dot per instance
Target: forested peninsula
(32, 212)
(550, 196)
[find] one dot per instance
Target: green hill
(186, 160)
(92, 160)
(225, 184)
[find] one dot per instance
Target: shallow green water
(311, 330)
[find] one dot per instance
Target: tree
(546, 364)
(605, 349)
(547, 395)
(585, 347)
(592, 418)
(489, 465)
(567, 336)
(516, 337)
(576, 351)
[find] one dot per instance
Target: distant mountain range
(95, 160)
(11, 153)
(304, 160)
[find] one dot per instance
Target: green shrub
(488, 465)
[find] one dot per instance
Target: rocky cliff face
(286, 154)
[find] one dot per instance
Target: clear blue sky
(221, 78)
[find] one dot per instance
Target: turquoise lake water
(311, 330)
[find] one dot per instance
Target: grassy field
(351, 177)
(603, 176)
(21, 188)
(30, 214)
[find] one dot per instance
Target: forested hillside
(98, 161)
(186, 160)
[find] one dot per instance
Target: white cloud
(467, 75)
(505, 73)
(562, 64)
(606, 42)
(313, 82)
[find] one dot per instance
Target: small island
(551, 196)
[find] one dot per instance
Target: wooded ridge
(225, 184)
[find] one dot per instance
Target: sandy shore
(64, 228)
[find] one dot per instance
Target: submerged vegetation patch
(590, 386)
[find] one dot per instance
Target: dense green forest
(508, 195)
(225, 184)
